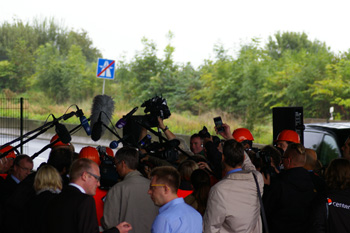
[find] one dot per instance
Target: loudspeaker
(288, 118)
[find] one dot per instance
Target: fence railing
(13, 120)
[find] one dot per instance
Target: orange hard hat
(91, 153)
(109, 152)
(242, 134)
(59, 143)
(12, 154)
(288, 135)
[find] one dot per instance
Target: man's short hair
(297, 153)
(274, 153)
(129, 155)
(233, 153)
(196, 135)
(19, 158)
(167, 175)
(310, 159)
(79, 166)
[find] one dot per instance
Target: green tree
(50, 73)
(22, 59)
(333, 90)
(300, 63)
(291, 41)
(235, 85)
(135, 78)
(80, 84)
(7, 74)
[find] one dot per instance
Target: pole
(103, 87)
(21, 120)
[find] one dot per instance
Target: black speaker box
(288, 118)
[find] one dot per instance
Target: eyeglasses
(98, 178)
(151, 186)
(24, 168)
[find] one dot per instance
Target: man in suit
(22, 167)
(128, 200)
(73, 210)
(9, 206)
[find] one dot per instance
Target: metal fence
(13, 121)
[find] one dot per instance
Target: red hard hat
(59, 143)
(9, 155)
(91, 153)
(288, 135)
(242, 134)
(109, 152)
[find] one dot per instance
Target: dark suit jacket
(37, 206)
(72, 212)
(16, 206)
(9, 188)
(288, 201)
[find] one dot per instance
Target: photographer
(270, 158)
(212, 152)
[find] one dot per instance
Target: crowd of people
(216, 184)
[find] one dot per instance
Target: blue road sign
(105, 68)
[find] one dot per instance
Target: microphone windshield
(101, 113)
(63, 133)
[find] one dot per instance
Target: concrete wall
(10, 126)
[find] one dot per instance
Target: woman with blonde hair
(47, 179)
(47, 184)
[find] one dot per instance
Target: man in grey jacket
(128, 200)
(233, 203)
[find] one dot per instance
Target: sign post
(105, 70)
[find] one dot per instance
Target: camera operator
(153, 160)
(169, 135)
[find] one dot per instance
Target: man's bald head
(311, 159)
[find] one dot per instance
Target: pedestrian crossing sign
(105, 68)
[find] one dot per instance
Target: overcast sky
(116, 27)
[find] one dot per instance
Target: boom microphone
(101, 112)
(122, 122)
(83, 121)
(114, 144)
